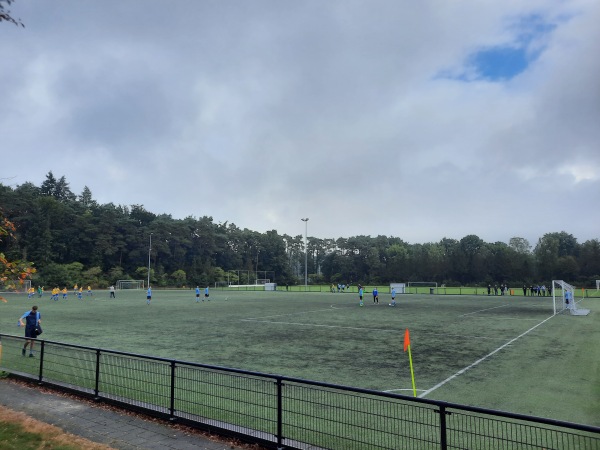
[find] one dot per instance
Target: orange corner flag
(406, 339)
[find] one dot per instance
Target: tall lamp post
(149, 251)
(305, 253)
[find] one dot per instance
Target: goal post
(17, 286)
(130, 284)
(399, 287)
(563, 298)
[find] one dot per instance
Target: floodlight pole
(149, 251)
(305, 253)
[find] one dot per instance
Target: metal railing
(283, 412)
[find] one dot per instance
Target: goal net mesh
(130, 284)
(563, 296)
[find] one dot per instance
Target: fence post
(172, 400)
(279, 416)
(40, 376)
(97, 381)
(443, 435)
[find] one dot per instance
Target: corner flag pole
(412, 372)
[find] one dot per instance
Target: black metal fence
(283, 412)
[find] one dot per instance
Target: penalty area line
(460, 372)
(481, 310)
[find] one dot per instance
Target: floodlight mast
(305, 253)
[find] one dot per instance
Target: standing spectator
(32, 320)
(495, 289)
(375, 296)
(489, 289)
(149, 295)
(525, 290)
(112, 292)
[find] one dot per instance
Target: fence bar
(250, 405)
(279, 415)
(97, 377)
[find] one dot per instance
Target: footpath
(104, 424)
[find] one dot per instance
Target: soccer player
(75, 289)
(393, 297)
(360, 296)
(375, 296)
(148, 295)
(30, 292)
(80, 293)
(89, 291)
(197, 294)
(64, 292)
(32, 319)
(206, 294)
(112, 292)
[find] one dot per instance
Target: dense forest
(72, 239)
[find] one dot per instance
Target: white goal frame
(400, 287)
(598, 285)
(262, 281)
(563, 298)
(18, 286)
(130, 284)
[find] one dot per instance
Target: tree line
(72, 239)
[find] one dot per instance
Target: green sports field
(497, 352)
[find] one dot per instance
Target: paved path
(107, 426)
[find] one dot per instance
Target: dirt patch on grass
(51, 435)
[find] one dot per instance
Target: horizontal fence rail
(283, 412)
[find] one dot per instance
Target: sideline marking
(396, 390)
(481, 310)
(365, 329)
(290, 314)
(460, 372)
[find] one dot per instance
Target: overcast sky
(416, 119)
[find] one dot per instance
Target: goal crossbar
(563, 297)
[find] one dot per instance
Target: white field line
(481, 310)
(291, 314)
(460, 372)
(396, 390)
(504, 318)
(388, 330)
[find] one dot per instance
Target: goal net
(130, 284)
(399, 287)
(262, 281)
(563, 297)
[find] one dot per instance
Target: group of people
(540, 291)
(56, 292)
(375, 296)
(340, 287)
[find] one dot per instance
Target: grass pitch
(497, 352)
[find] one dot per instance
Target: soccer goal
(15, 286)
(130, 284)
(262, 281)
(399, 287)
(563, 297)
(598, 285)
